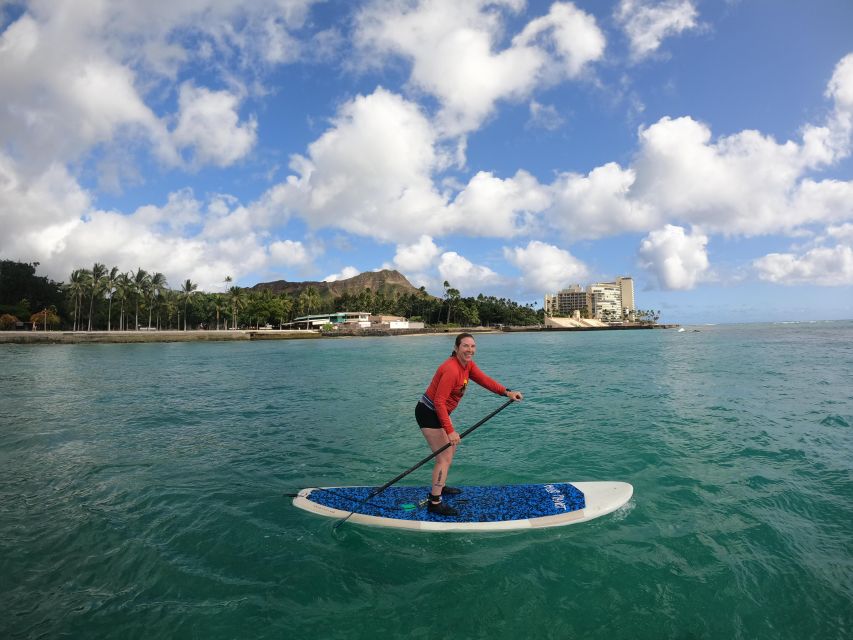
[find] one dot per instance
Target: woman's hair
(459, 340)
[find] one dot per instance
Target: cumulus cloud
(648, 22)
(572, 35)
(290, 253)
(78, 74)
(494, 207)
(545, 267)
(208, 123)
(64, 231)
(822, 266)
(676, 259)
(464, 275)
(416, 257)
(59, 101)
(375, 163)
(452, 49)
(599, 204)
(843, 233)
(346, 272)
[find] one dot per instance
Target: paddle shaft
(376, 492)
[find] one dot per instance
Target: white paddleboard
(489, 508)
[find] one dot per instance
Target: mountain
(389, 282)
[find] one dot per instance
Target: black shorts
(426, 417)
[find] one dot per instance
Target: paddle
(376, 492)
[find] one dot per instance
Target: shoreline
(223, 335)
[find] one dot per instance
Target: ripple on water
(142, 492)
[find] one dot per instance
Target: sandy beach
(118, 337)
(77, 337)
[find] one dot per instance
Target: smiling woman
(435, 406)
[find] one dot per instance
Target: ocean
(143, 488)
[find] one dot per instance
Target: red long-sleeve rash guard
(448, 386)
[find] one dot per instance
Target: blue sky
(511, 148)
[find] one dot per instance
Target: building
(605, 301)
(613, 301)
(564, 303)
(357, 318)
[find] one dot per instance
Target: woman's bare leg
(437, 438)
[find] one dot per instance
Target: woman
(433, 413)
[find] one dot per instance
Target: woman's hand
(454, 438)
(515, 395)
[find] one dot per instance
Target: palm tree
(124, 285)
(452, 295)
(96, 282)
(76, 286)
(284, 307)
(187, 289)
(156, 284)
(140, 283)
(228, 280)
(309, 299)
(235, 293)
(110, 283)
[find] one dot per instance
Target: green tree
(282, 308)
(96, 286)
(110, 287)
(46, 317)
(309, 299)
(154, 292)
(238, 301)
(124, 289)
(140, 286)
(187, 289)
(8, 322)
(76, 287)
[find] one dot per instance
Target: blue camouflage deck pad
(475, 504)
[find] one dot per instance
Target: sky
(510, 148)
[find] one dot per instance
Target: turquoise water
(141, 493)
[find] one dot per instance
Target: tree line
(103, 298)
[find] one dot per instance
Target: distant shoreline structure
(248, 335)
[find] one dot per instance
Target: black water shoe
(450, 491)
(441, 509)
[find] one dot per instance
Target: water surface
(141, 493)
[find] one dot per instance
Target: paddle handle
(376, 492)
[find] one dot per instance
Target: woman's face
(465, 350)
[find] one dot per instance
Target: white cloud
(843, 233)
(452, 48)
(828, 143)
(416, 257)
(739, 185)
(209, 124)
(76, 75)
(493, 207)
(346, 272)
(63, 231)
(822, 266)
(63, 94)
(648, 22)
(290, 253)
(544, 116)
(464, 275)
(573, 35)
(545, 267)
(375, 164)
(677, 260)
(598, 204)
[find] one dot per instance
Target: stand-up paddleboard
(494, 508)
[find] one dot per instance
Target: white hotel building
(612, 300)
